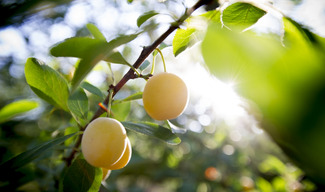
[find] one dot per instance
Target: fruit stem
(153, 64)
(162, 58)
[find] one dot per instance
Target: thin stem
(162, 58)
(131, 73)
(153, 64)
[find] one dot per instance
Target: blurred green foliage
(284, 78)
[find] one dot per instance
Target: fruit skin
(165, 96)
(124, 160)
(103, 142)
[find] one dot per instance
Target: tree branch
(142, 57)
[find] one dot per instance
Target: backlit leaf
(182, 39)
(241, 15)
(16, 108)
(47, 83)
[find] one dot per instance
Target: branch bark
(131, 74)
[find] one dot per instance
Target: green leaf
(161, 47)
(95, 32)
(30, 155)
(95, 55)
(78, 47)
(121, 110)
(123, 39)
(182, 39)
(47, 83)
(116, 57)
(132, 97)
(272, 165)
(263, 185)
(68, 131)
(241, 15)
(143, 18)
(294, 34)
(213, 15)
(78, 105)
(279, 184)
(16, 108)
(82, 177)
(92, 89)
(144, 65)
(153, 130)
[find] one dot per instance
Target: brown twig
(131, 74)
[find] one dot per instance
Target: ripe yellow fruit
(124, 160)
(104, 142)
(165, 96)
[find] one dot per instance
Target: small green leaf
(144, 65)
(95, 31)
(30, 155)
(92, 89)
(16, 108)
(161, 47)
(153, 130)
(78, 105)
(182, 39)
(121, 110)
(132, 97)
(116, 57)
(241, 15)
(143, 18)
(82, 177)
(47, 83)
